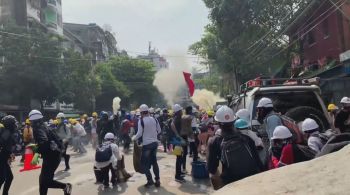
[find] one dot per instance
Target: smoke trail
(205, 99)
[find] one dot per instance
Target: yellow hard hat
(73, 121)
(177, 151)
(55, 122)
(332, 107)
(27, 121)
(1, 125)
(210, 113)
(94, 114)
(85, 116)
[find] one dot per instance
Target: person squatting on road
(64, 134)
(107, 156)
(148, 129)
(50, 147)
(236, 152)
(7, 144)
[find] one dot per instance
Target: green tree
(31, 64)
(129, 78)
(245, 39)
(78, 83)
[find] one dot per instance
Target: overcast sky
(171, 25)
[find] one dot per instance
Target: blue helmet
(241, 124)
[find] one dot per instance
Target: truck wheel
(299, 114)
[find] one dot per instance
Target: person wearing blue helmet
(244, 128)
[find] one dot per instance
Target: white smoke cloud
(206, 99)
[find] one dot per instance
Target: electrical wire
(261, 52)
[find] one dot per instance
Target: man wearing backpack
(235, 151)
(7, 143)
(267, 116)
(148, 129)
(106, 157)
(311, 129)
(50, 147)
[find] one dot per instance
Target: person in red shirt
(282, 148)
(125, 130)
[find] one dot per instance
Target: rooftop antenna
(149, 47)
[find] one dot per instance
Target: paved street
(82, 178)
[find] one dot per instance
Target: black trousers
(105, 175)
(66, 156)
(46, 181)
(6, 175)
(184, 153)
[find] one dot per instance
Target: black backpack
(103, 153)
(238, 157)
(303, 153)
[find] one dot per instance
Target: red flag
(189, 82)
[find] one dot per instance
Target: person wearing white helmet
(342, 119)
(282, 149)
(267, 116)
(64, 133)
(50, 147)
(237, 164)
(148, 130)
(311, 129)
(243, 114)
(176, 126)
(106, 159)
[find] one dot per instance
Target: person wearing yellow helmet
(93, 123)
(332, 111)
(27, 136)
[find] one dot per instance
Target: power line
(28, 36)
(274, 28)
(303, 34)
(310, 23)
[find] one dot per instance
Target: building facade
(28, 13)
(158, 61)
(322, 33)
(101, 44)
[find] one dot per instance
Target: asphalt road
(82, 177)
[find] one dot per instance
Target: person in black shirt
(7, 144)
(50, 146)
(342, 121)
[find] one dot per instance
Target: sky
(171, 25)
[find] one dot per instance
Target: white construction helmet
(345, 100)
(265, 103)
(60, 115)
(144, 108)
(281, 132)
(224, 115)
(177, 108)
(151, 110)
(243, 114)
(309, 125)
(35, 115)
(109, 136)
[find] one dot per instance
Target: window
(325, 28)
(311, 38)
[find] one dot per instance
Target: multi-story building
(28, 13)
(101, 44)
(158, 61)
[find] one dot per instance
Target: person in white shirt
(148, 129)
(111, 164)
(79, 133)
(311, 129)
